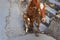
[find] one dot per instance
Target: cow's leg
(26, 28)
(37, 25)
(31, 26)
(26, 22)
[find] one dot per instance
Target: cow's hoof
(37, 34)
(30, 30)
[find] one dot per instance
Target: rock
(54, 29)
(32, 37)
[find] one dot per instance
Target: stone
(54, 29)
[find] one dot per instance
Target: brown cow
(35, 11)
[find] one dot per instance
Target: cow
(35, 12)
